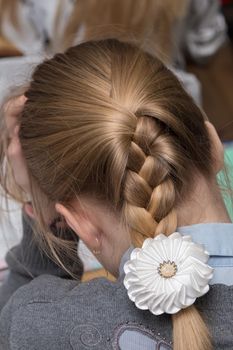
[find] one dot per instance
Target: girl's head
(110, 135)
(108, 122)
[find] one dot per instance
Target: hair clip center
(167, 269)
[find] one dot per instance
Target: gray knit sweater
(52, 312)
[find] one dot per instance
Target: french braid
(150, 199)
(149, 190)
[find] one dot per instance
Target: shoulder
(46, 292)
(219, 299)
(217, 309)
(49, 289)
(50, 308)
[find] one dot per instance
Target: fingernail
(29, 210)
(23, 98)
(16, 130)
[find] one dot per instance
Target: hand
(12, 111)
(15, 156)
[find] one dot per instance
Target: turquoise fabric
(226, 182)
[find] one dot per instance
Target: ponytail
(150, 210)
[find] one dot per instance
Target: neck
(205, 205)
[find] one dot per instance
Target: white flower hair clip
(167, 274)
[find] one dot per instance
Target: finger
(14, 105)
(28, 208)
(18, 163)
(15, 132)
(12, 110)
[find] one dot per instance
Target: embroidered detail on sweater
(84, 334)
(135, 336)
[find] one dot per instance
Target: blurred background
(192, 37)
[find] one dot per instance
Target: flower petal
(150, 289)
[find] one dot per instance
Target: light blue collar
(216, 237)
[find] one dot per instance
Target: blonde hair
(150, 23)
(110, 121)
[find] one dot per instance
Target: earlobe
(217, 147)
(80, 223)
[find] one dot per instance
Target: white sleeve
(35, 22)
(206, 29)
(16, 72)
(190, 83)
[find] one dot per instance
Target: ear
(217, 147)
(79, 221)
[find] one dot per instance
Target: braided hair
(113, 122)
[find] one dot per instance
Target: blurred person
(170, 29)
